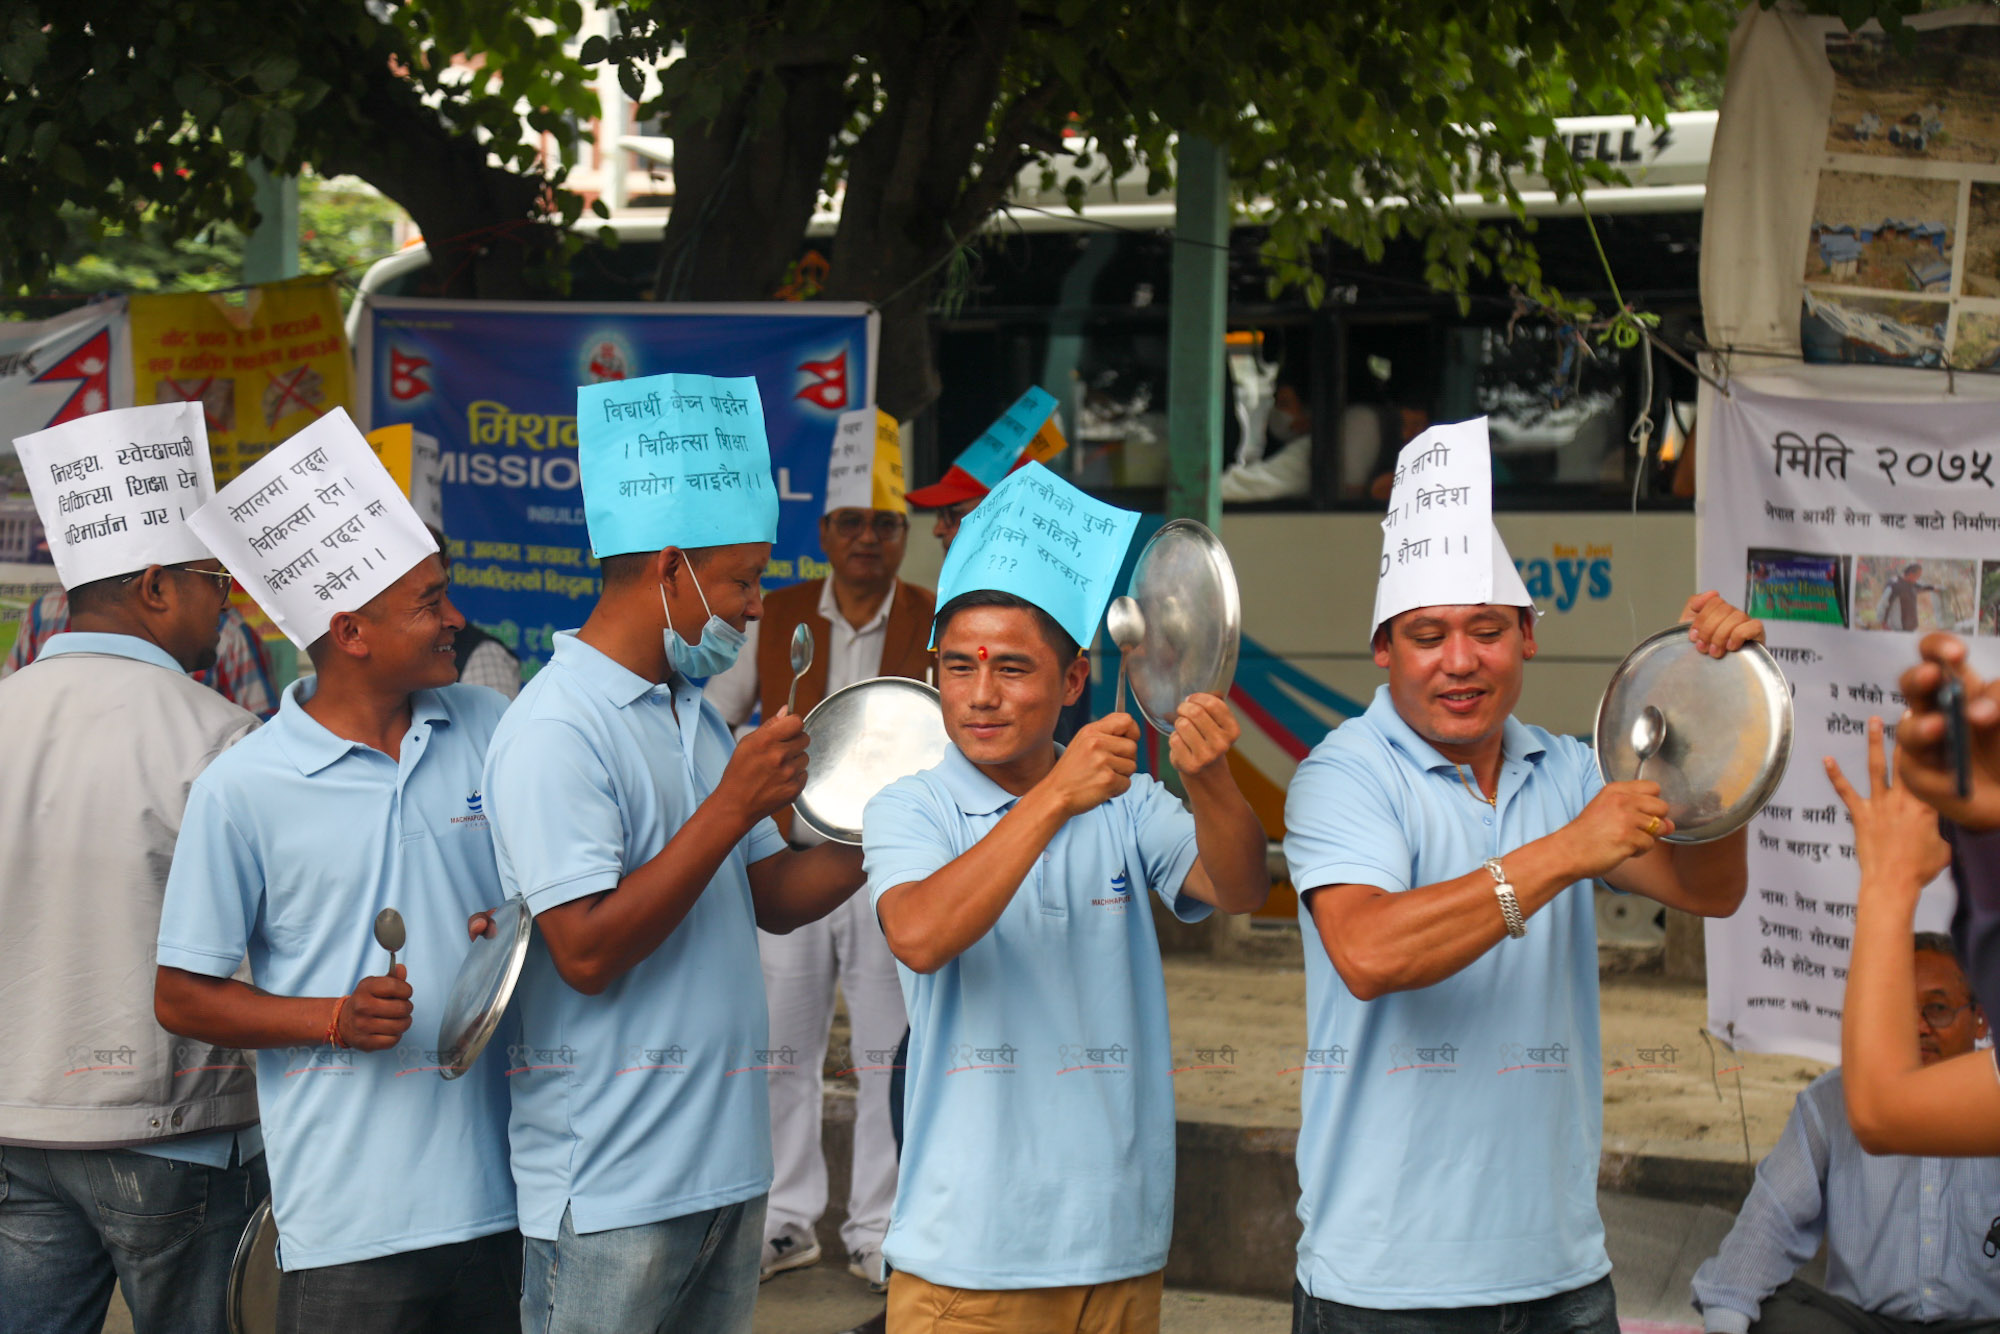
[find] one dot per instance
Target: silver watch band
(1510, 906)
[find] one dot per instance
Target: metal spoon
(1649, 733)
(1126, 625)
(802, 658)
(389, 935)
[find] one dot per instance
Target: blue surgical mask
(720, 641)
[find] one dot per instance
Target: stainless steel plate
(484, 985)
(253, 1276)
(864, 737)
(1186, 589)
(1729, 731)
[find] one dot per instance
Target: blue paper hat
(674, 461)
(1046, 542)
(989, 458)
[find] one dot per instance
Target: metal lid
(1728, 731)
(1186, 589)
(252, 1302)
(484, 985)
(862, 738)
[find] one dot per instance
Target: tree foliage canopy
(1357, 121)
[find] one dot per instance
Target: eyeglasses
(885, 525)
(952, 516)
(223, 578)
(1938, 1016)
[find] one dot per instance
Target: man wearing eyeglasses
(1904, 1236)
(865, 622)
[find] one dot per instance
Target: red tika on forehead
(982, 653)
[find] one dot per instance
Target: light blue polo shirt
(1449, 1142)
(294, 840)
(646, 1102)
(1038, 1140)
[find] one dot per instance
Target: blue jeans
(75, 1221)
(696, 1272)
(1588, 1310)
(461, 1287)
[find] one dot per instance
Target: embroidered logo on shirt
(1121, 890)
(475, 805)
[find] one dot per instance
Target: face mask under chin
(720, 641)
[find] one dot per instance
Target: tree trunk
(484, 225)
(743, 194)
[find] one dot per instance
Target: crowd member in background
(389, 1185)
(240, 671)
(639, 833)
(1903, 1235)
(1013, 881)
(1897, 1102)
(481, 659)
(126, 1157)
(864, 622)
(1283, 468)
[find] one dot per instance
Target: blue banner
(496, 384)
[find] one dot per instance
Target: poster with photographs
(1852, 529)
(1903, 261)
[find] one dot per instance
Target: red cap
(956, 485)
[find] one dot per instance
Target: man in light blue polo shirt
(641, 837)
(1037, 1177)
(389, 1185)
(1443, 852)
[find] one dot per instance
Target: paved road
(1654, 1245)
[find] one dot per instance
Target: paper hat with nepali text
(865, 470)
(1045, 542)
(1028, 432)
(1439, 545)
(114, 489)
(314, 528)
(674, 461)
(415, 462)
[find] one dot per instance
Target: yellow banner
(887, 475)
(393, 446)
(264, 362)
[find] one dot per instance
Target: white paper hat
(865, 469)
(114, 489)
(1439, 545)
(314, 528)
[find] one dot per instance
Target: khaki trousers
(1126, 1306)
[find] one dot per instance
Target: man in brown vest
(865, 622)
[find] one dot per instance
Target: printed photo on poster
(1989, 597)
(1890, 233)
(1797, 586)
(1872, 330)
(1910, 594)
(1939, 103)
(1978, 344)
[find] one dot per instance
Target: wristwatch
(1510, 907)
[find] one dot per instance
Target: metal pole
(272, 252)
(1197, 321)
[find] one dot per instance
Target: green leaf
(276, 133)
(21, 53)
(235, 124)
(633, 80)
(593, 50)
(44, 140)
(274, 72)
(68, 164)
(598, 207)
(608, 236)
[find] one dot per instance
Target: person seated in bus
(1281, 469)
(1902, 1234)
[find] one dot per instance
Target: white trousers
(799, 974)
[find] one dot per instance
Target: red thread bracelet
(333, 1024)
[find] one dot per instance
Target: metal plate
(253, 1276)
(1186, 588)
(484, 985)
(1729, 731)
(862, 738)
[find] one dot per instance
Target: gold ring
(1653, 826)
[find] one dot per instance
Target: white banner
(1852, 528)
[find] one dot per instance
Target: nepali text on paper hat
(414, 461)
(1027, 432)
(1045, 542)
(314, 528)
(1439, 545)
(865, 469)
(674, 461)
(114, 489)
